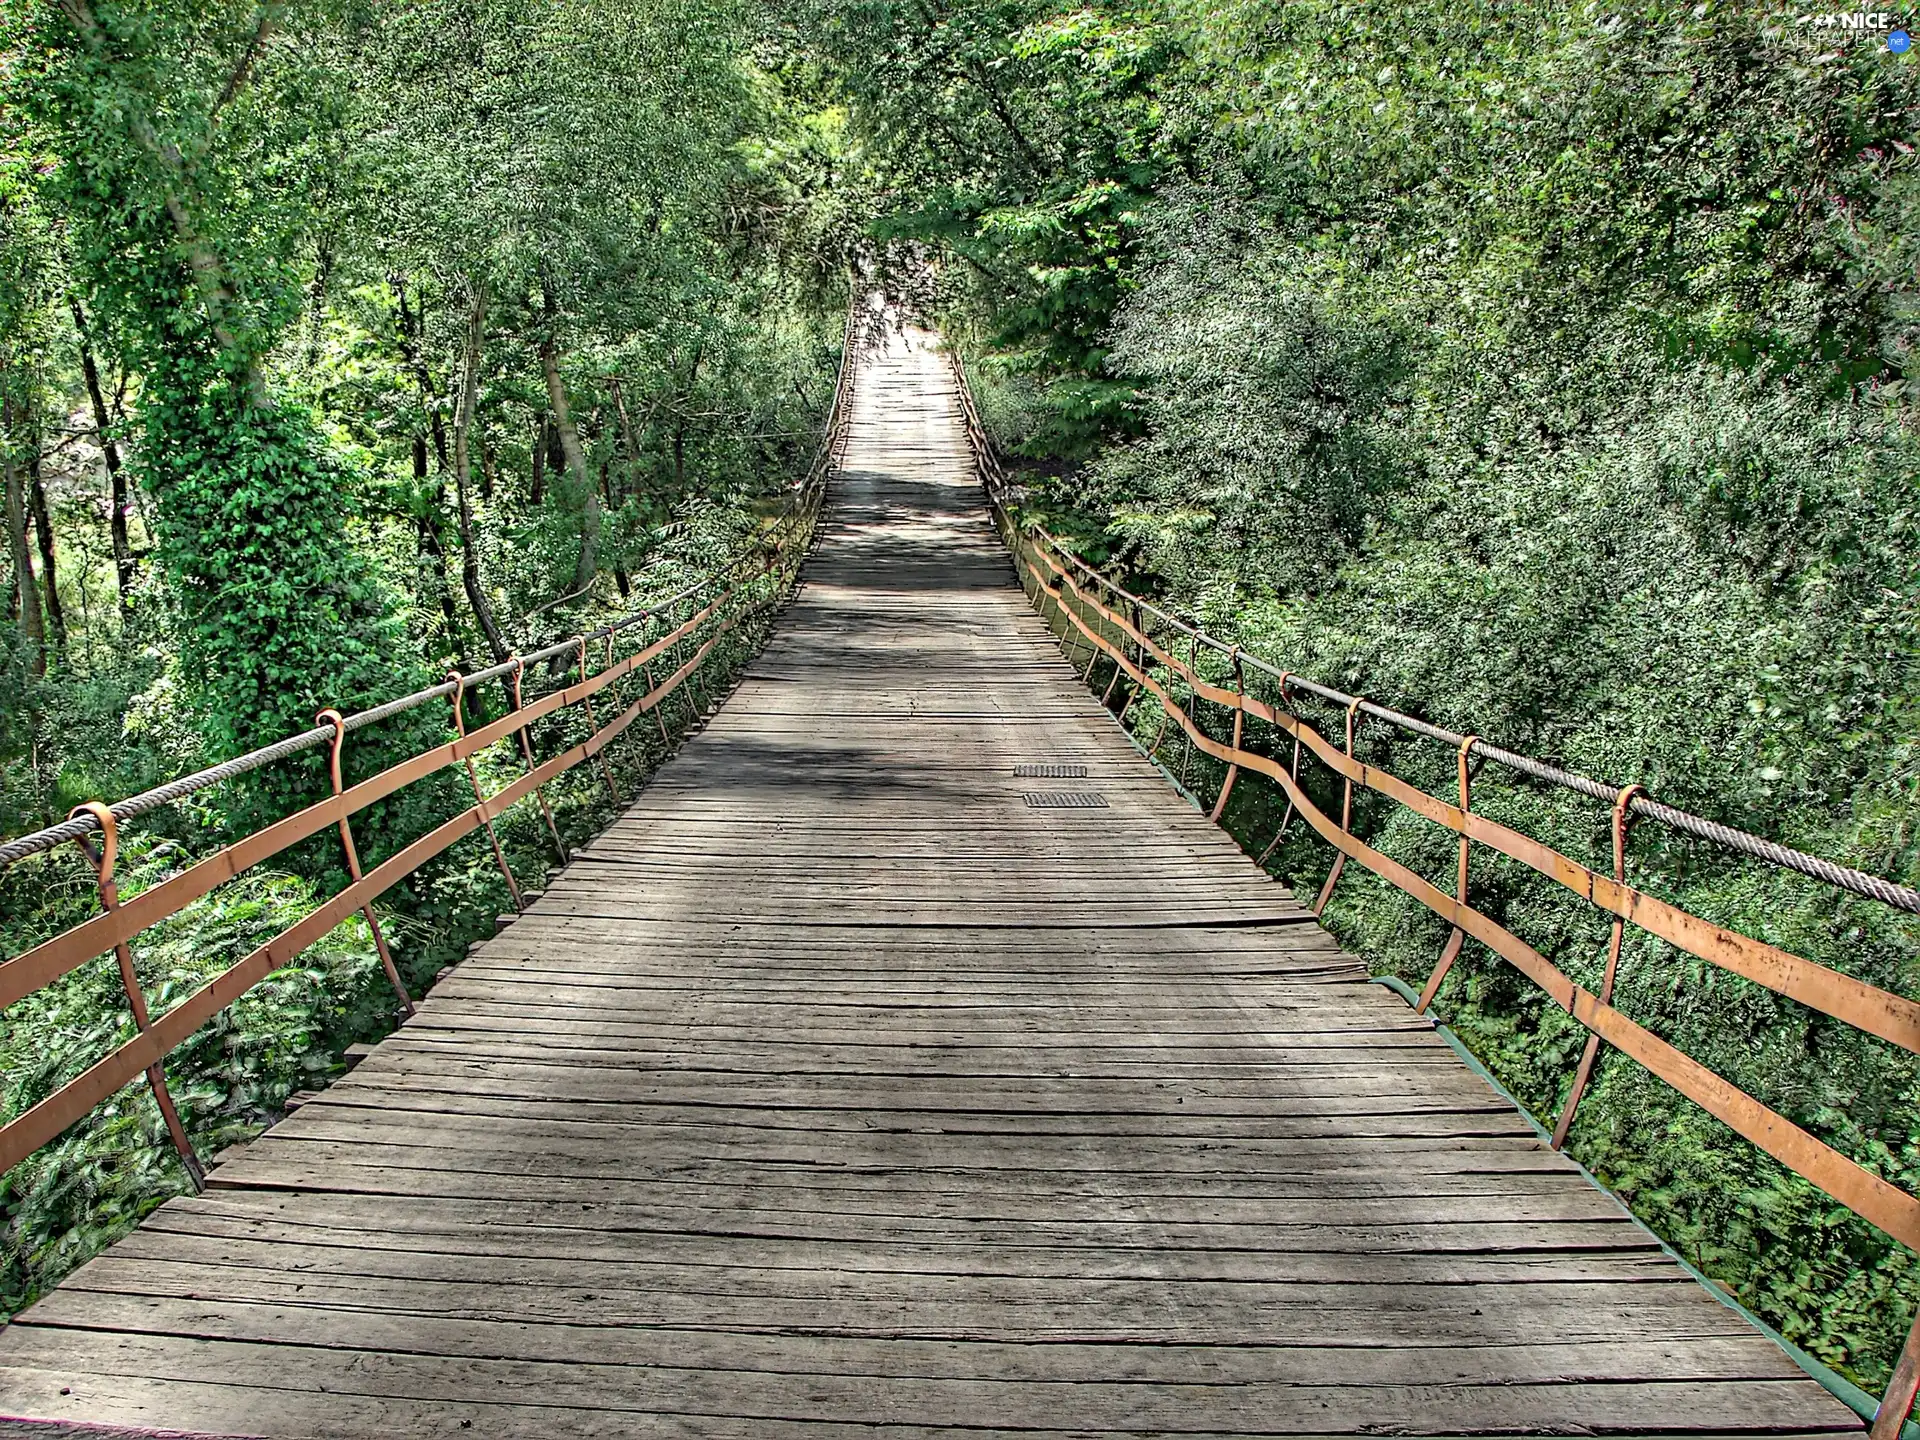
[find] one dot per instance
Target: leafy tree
(179, 154)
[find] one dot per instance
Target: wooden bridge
(910, 1058)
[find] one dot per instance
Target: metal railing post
(1622, 818)
(1457, 937)
(526, 754)
(593, 728)
(104, 860)
(458, 681)
(1286, 819)
(1346, 819)
(1897, 1404)
(1239, 723)
(334, 718)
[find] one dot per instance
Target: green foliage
(179, 219)
(1026, 136)
(278, 617)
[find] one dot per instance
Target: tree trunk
(680, 423)
(626, 421)
(621, 581)
(463, 474)
(110, 454)
(411, 325)
(585, 495)
(538, 492)
(31, 623)
(432, 553)
(209, 274)
(489, 464)
(49, 568)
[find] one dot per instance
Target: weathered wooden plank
(369, 1220)
(981, 1307)
(609, 1121)
(1614, 1359)
(1567, 1210)
(696, 1261)
(299, 1413)
(646, 1390)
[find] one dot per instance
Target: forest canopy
(1543, 370)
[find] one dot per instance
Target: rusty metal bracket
(1346, 816)
(659, 711)
(526, 754)
(459, 683)
(1897, 1404)
(334, 718)
(1286, 819)
(1622, 818)
(103, 860)
(1133, 691)
(1457, 937)
(593, 728)
(615, 688)
(1192, 708)
(1239, 726)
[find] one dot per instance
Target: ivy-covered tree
(183, 161)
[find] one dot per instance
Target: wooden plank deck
(835, 1091)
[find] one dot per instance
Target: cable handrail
(1844, 877)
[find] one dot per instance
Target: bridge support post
(1193, 709)
(1166, 719)
(593, 728)
(1897, 1404)
(658, 719)
(1294, 773)
(103, 862)
(1458, 936)
(1346, 817)
(526, 754)
(1133, 692)
(1622, 817)
(333, 717)
(1239, 725)
(459, 683)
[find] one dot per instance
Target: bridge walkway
(837, 1089)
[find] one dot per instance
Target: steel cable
(1844, 877)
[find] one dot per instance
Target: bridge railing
(1120, 626)
(659, 648)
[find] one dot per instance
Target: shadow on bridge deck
(835, 1090)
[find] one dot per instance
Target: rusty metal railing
(1111, 622)
(695, 619)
